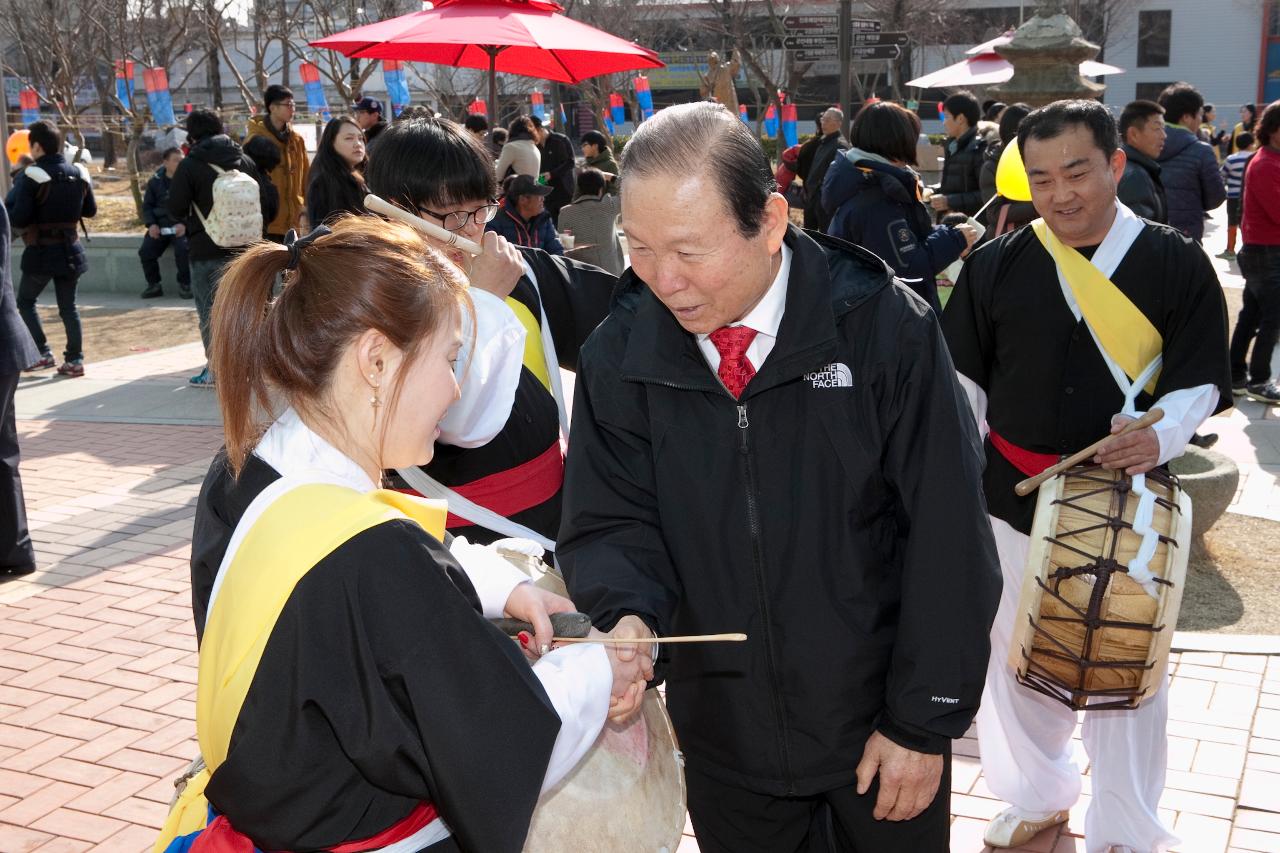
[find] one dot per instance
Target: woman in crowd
(520, 154)
(1248, 117)
(337, 172)
(354, 697)
(875, 199)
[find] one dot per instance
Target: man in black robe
(1041, 387)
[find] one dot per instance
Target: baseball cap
(526, 185)
(368, 105)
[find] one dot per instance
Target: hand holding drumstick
(1133, 445)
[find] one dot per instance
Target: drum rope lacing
(1099, 568)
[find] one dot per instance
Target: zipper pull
(742, 417)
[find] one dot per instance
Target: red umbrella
(526, 37)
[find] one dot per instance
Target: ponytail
(366, 273)
(241, 340)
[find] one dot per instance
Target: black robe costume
(1011, 332)
(380, 687)
(576, 298)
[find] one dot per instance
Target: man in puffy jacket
(768, 436)
(46, 204)
(191, 196)
(1188, 168)
(162, 230)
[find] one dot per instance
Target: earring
(373, 399)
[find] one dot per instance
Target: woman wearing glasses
(500, 444)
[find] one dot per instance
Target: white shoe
(1011, 829)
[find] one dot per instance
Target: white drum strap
(1139, 566)
(429, 487)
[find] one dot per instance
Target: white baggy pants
(1025, 739)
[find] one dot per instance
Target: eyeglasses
(456, 220)
(286, 104)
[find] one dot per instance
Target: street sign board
(811, 40)
(874, 39)
(827, 24)
(883, 51)
(817, 51)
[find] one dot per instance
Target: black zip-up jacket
(1140, 188)
(834, 513)
(155, 202)
(962, 173)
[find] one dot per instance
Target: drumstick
(1030, 484)
(692, 638)
(386, 208)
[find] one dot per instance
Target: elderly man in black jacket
(17, 352)
(813, 161)
(768, 437)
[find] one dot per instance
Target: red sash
(221, 837)
(1027, 461)
(515, 489)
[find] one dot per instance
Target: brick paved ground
(97, 653)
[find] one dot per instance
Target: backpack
(235, 219)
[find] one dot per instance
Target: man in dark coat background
(768, 437)
(557, 166)
(961, 188)
(163, 231)
(1142, 133)
(17, 352)
(815, 158)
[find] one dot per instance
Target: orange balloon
(17, 144)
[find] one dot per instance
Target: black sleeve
(149, 213)
(181, 193)
(89, 207)
(476, 713)
(319, 206)
(21, 202)
(966, 322)
(575, 296)
(934, 459)
(1195, 334)
(268, 195)
(610, 546)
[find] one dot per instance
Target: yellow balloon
(1011, 175)
(17, 145)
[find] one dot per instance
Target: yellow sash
(1120, 327)
(297, 531)
(535, 357)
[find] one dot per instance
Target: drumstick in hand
(450, 239)
(1030, 484)
(692, 638)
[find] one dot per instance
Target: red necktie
(735, 368)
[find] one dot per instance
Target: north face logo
(836, 375)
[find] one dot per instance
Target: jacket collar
(1136, 156)
(660, 351)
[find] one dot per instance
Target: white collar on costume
(296, 451)
(1124, 230)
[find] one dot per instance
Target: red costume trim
(515, 489)
(1027, 461)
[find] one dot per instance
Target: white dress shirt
(765, 318)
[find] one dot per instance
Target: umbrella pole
(493, 86)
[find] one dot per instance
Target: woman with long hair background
(337, 172)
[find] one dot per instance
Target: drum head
(628, 794)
